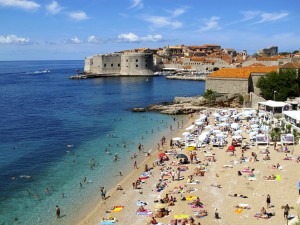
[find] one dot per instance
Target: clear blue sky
(74, 29)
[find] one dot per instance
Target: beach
(237, 199)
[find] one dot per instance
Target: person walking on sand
(268, 201)
(57, 212)
(286, 211)
(135, 165)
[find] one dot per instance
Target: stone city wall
(135, 64)
(227, 85)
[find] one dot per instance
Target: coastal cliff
(187, 105)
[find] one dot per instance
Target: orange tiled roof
(274, 58)
(256, 65)
(291, 65)
(199, 59)
(212, 45)
(243, 72)
(187, 67)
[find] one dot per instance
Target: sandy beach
(221, 188)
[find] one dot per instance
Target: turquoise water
(44, 113)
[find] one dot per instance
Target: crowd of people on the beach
(173, 165)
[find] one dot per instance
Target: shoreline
(92, 212)
(282, 192)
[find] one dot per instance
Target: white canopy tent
(287, 138)
(274, 106)
(262, 139)
(292, 117)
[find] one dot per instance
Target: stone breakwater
(188, 105)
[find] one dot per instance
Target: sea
(58, 137)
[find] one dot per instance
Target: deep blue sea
(54, 132)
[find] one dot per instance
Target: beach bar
(274, 106)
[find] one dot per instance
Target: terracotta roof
(291, 65)
(187, 67)
(243, 72)
(274, 58)
(212, 45)
(199, 59)
(256, 65)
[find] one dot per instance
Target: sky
(75, 29)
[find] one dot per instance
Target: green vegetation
(211, 96)
(275, 134)
(279, 85)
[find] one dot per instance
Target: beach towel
(144, 213)
(191, 198)
(141, 203)
(243, 206)
(117, 208)
(159, 206)
(278, 177)
(239, 211)
(251, 178)
(198, 214)
(195, 206)
(182, 168)
(107, 222)
(259, 215)
(181, 216)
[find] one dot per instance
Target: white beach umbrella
(254, 126)
(223, 124)
(202, 117)
(235, 126)
(190, 127)
(199, 122)
(237, 132)
(216, 115)
(185, 133)
(208, 127)
(176, 139)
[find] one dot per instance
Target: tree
(211, 96)
(283, 85)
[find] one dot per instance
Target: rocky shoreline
(188, 105)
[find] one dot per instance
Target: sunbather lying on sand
(238, 195)
(216, 185)
(272, 177)
(264, 214)
(242, 206)
(200, 213)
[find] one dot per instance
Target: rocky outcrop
(188, 105)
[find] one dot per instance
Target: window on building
(126, 60)
(104, 64)
(136, 65)
(112, 65)
(146, 60)
(136, 60)
(119, 65)
(146, 65)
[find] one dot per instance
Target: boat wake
(41, 71)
